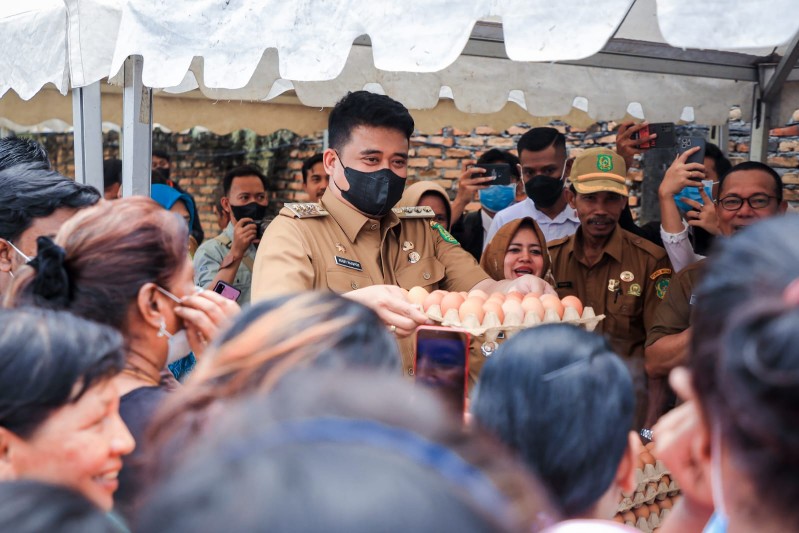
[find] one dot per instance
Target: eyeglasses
(756, 201)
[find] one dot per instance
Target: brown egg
(551, 301)
(618, 518)
(417, 295)
(496, 297)
(654, 508)
(574, 302)
(647, 458)
(513, 307)
(434, 298)
(477, 293)
(641, 512)
(532, 303)
(628, 516)
(472, 306)
(668, 503)
(513, 295)
(496, 308)
(649, 446)
(452, 300)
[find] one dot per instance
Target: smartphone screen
(665, 135)
(500, 172)
(228, 291)
(442, 356)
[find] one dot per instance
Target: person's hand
(529, 283)
(703, 215)
(244, 233)
(392, 306)
(626, 146)
(681, 174)
(470, 181)
(204, 314)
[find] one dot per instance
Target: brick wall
(201, 158)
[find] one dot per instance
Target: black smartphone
(686, 143)
(500, 172)
(227, 290)
(666, 136)
(442, 363)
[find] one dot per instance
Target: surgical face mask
(497, 197)
(373, 193)
(178, 345)
(693, 194)
(545, 190)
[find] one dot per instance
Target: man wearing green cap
(619, 274)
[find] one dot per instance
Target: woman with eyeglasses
(124, 264)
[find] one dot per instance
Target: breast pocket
(341, 281)
(427, 273)
(624, 315)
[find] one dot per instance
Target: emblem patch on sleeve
(444, 233)
(662, 287)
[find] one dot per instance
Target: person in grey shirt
(229, 256)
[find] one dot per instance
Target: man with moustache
(618, 273)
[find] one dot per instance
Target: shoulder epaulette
(558, 242)
(658, 252)
(419, 211)
(304, 210)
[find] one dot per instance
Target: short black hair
(163, 154)
(753, 165)
(538, 139)
(723, 164)
(243, 170)
(28, 192)
(495, 155)
(44, 355)
(112, 172)
(549, 392)
(308, 164)
(18, 150)
(27, 506)
(362, 108)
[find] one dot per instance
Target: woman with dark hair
(733, 446)
(33, 507)
(125, 264)
(59, 404)
(355, 451)
(560, 397)
(265, 343)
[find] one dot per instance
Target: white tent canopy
(655, 59)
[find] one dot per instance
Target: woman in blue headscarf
(179, 203)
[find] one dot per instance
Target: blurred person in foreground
(59, 403)
(19, 151)
(355, 451)
(732, 445)
(34, 201)
(559, 397)
(124, 264)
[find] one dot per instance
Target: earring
(162, 332)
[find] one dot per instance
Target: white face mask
(178, 342)
(25, 257)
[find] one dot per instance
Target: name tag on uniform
(348, 263)
(564, 285)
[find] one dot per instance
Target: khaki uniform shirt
(626, 285)
(345, 250)
(209, 257)
(674, 314)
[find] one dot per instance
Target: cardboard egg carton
(650, 492)
(491, 326)
(647, 517)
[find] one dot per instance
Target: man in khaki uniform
(354, 241)
(619, 274)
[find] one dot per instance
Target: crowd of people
(261, 379)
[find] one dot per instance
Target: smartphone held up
(441, 363)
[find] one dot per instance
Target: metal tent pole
(88, 135)
(137, 125)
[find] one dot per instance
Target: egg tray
(649, 524)
(492, 326)
(650, 493)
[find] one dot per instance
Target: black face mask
(373, 193)
(253, 210)
(543, 190)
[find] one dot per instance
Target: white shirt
(677, 245)
(563, 225)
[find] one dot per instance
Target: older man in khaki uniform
(354, 241)
(616, 272)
